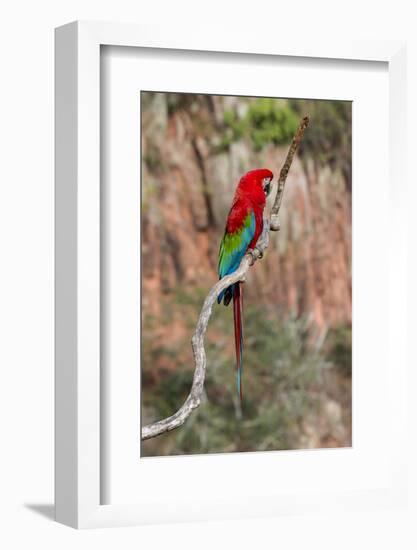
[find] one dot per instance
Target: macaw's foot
(255, 253)
(252, 255)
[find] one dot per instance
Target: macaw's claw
(252, 254)
(255, 253)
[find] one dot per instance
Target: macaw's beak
(267, 188)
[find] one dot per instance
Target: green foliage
(329, 136)
(234, 129)
(153, 160)
(280, 375)
(271, 121)
(266, 121)
(339, 348)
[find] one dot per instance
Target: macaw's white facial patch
(266, 184)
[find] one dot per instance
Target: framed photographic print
(229, 331)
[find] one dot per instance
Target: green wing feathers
(234, 245)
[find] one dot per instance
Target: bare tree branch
(284, 172)
(194, 398)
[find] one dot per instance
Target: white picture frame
(78, 406)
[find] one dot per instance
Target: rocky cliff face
(188, 181)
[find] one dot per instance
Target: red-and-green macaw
(243, 227)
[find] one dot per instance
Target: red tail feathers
(237, 318)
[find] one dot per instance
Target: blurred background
(297, 314)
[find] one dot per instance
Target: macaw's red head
(256, 184)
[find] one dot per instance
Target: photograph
(208, 266)
(279, 343)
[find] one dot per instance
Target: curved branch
(194, 398)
